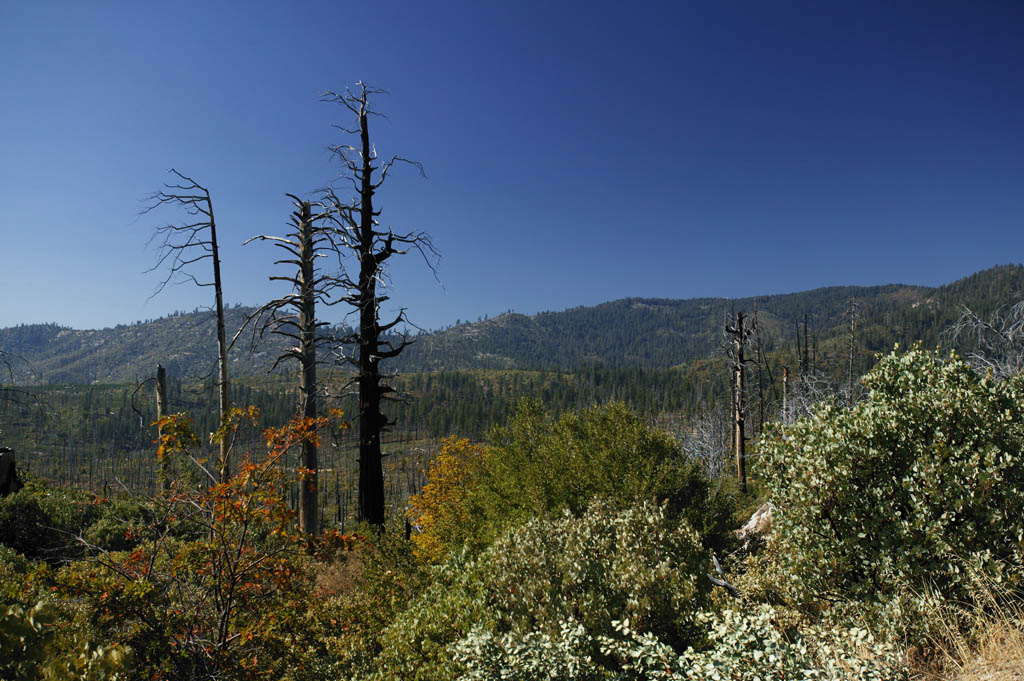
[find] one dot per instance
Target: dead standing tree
(995, 343)
(740, 336)
(293, 316)
(183, 245)
(371, 246)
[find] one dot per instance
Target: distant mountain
(633, 332)
(185, 343)
(645, 332)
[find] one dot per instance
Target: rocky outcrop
(760, 523)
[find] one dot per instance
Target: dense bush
(120, 522)
(758, 644)
(35, 645)
(544, 594)
(538, 466)
(41, 522)
(918, 488)
(440, 510)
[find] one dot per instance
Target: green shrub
(34, 645)
(758, 645)
(544, 594)
(917, 489)
(41, 522)
(388, 579)
(539, 466)
(418, 645)
(119, 525)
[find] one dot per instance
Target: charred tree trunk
(223, 403)
(785, 395)
(360, 233)
(371, 420)
(739, 408)
(183, 245)
(741, 437)
(307, 378)
(9, 481)
(161, 412)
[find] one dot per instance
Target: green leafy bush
(917, 489)
(544, 594)
(34, 645)
(119, 525)
(539, 466)
(758, 645)
(418, 644)
(41, 522)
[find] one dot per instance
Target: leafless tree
(179, 247)
(371, 246)
(740, 336)
(293, 316)
(707, 439)
(994, 344)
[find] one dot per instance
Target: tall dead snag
(9, 480)
(182, 245)
(995, 343)
(293, 316)
(852, 349)
(739, 336)
(371, 246)
(161, 412)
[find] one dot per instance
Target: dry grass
(339, 576)
(983, 644)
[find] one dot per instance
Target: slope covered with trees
(632, 332)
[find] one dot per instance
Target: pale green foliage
(533, 656)
(600, 567)
(919, 488)
(33, 646)
(544, 594)
(757, 645)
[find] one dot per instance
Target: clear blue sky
(576, 152)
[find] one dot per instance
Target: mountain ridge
(632, 331)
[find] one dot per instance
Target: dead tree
(739, 336)
(851, 350)
(183, 245)
(293, 316)
(161, 412)
(992, 344)
(707, 439)
(371, 246)
(9, 480)
(785, 395)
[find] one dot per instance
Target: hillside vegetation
(577, 522)
(571, 546)
(634, 332)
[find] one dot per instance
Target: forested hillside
(633, 332)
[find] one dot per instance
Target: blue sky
(575, 152)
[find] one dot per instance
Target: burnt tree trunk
(9, 481)
(371, 419)
(223, 404)
(785, 395)
(359, 231)
(183, 245)
(161, 412)
(739, 408)
(307, 378)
